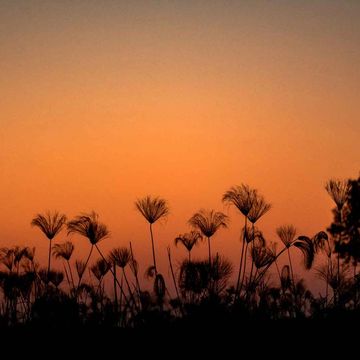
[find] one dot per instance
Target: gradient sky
(103, 102)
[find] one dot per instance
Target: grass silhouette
(36, 296)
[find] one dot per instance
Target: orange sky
(103, 102)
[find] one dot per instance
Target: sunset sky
(103, 102)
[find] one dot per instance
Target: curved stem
(262, 273)
(86, 262)
(172, 272)
(129, 288)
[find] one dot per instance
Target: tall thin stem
(237, 293)
(71, 274)
(35, 280)
(277, 270)
(115, 291)
(49, 261)
(338, 257)
(262, 273)
(292, 281)
(291, 267)
(328, 273)
(129, 288)
(209, 250)
(67, 275)
(172, 272)
(117, 281)
(135, 271)
(356, 290)
(239, 273)
(251, 251)
(86, 262)
(153, 248)
(327, 280)
(121, 294)
(244, 272)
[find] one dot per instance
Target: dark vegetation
(200, 291)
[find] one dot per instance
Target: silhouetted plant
(258, 209)
(122, 257)
(19, 253)
(65, 251)
(338, 191)
(242, 197)
(152, 209)
(31, 294)
(88, 225)
(337, 281)
(159, 289)
(285, 279)
(261, 256)
(50, 224)
(321, 243)
(287, 235)
(100, 269)
(16, 285)
(303, 299)
(173, 273)
(189, 240)
(80, 269)
(320, 240)
(345, 228)
(251, 235)
(208, 222)
(7, 258)
(306, 246)
(194, 280)
(42, 273)
(134, 266)
(56, 277)
(220, 272)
